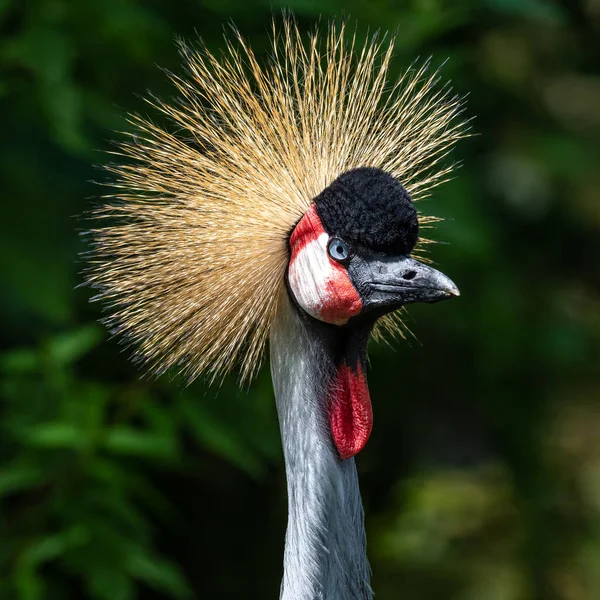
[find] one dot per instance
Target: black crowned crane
(279, 206)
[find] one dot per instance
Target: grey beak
(390, 282)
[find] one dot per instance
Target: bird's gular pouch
(350, 411)
(320, 285)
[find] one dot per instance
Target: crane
(279, 206)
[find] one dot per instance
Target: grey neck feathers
(325, 546)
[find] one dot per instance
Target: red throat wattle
(350, 411)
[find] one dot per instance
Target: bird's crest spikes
(193, 252)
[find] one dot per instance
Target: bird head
(350, 252)
(349, 265)
(297, 173)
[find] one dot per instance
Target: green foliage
(69, 500)
(78, 460)
(482, 477)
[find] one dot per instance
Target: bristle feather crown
(192, 261)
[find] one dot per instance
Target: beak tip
(448, 287)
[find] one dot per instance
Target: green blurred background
(482, 478)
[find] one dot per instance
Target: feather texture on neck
(325, 547)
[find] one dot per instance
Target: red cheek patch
(309, 229)
(350, 411)
(343, 299)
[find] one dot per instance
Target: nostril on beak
(409, 275)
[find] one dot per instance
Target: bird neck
(325, 547)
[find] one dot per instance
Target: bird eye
(338, 250)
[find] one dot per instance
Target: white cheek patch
(320, 285)
(309, 274)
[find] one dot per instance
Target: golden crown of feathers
(190, 253)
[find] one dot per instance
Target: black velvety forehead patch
(367, 206)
